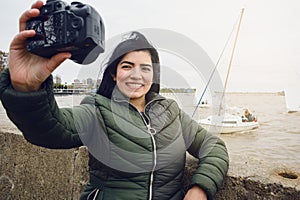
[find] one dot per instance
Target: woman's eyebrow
(127, 62)
(131, 63)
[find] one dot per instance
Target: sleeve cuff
(25, 101)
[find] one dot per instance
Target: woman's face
(134, 75)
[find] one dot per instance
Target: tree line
(3, 60)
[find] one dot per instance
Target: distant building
(177, 90)
(76, 81)
(79, 85)
(57, 79)
(90, 82)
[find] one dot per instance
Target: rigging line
(231, 58)
(212, 73)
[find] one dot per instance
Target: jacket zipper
(154, 161)
(151, 132)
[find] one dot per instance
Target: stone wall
(31, 172)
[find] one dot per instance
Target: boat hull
(227, 125)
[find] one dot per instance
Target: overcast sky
(267, 51)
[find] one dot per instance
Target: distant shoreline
(280, 93)
(229, 93)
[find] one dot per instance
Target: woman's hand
(29, 71)
(195, 193)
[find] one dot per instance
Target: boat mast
(231, 58)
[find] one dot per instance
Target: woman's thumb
(57, 59)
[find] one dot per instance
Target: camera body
(77, 28)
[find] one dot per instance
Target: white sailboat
(292, 99)
(227, 123)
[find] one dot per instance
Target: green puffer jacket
(132, 155)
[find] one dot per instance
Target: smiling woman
(136, 138)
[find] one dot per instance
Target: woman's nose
(136, 73)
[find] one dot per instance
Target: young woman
(137, 139)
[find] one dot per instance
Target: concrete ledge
(250, 188)
(31, 172)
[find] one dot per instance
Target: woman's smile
(135, 85)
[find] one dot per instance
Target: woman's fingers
(33, 12)
(26, 16)
(38, 4)
(20, 39)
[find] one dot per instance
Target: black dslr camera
(75, 28)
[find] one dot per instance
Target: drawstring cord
(96, 193)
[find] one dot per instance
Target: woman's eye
(147, 69)
(126, 67)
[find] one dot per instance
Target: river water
(275, 143)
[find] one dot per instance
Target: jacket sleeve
(211, 152)
(38, 117)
